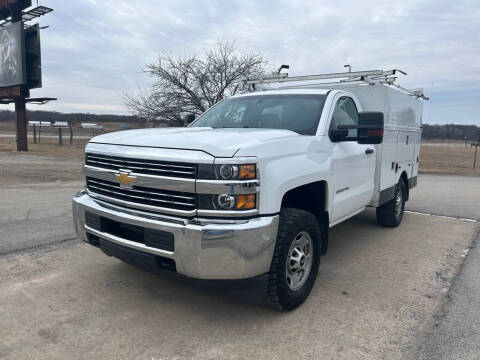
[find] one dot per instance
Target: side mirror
(189, 119)
(369, 129)
(338, 134)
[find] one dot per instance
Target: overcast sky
(94, 50)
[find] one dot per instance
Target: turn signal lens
(247, 172)
(245, 202)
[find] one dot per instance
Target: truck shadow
(166, 287)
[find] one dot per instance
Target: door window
(345, 113)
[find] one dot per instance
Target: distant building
(60, 124)
(40, 123)
(91, 126)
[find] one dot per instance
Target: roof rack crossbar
(283, 77)
(386, 77)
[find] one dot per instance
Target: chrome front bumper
(204, 250)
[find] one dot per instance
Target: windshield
(299, 113)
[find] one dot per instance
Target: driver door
(353, 164)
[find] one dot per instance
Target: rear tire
(390, 214)
(295, 260)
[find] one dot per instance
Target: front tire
(296, 259)
(390, 214)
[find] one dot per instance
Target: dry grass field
(49, 147)
(43, 163)
(454, 159)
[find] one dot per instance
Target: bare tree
(192, 84)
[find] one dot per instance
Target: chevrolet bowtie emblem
(124, 178)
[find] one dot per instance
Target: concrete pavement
(456, 331)
(36, 214)
(375, 289)
(376, 295)
(457, 196)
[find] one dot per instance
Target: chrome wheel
(398, 202)
(299, 260)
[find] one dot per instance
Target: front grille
(141, 195)
(140, 166)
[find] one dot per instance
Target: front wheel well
(311, 197)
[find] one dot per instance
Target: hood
(216, 142)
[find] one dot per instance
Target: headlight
(227, 202)
(227, 171)
(216, 188)
(224, 202)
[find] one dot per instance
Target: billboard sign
(12, 66)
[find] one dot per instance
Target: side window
(345, 113)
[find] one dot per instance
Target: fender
(289, 164)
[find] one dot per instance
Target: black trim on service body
(388, 193)
(412, 182)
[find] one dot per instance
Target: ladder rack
(386, 77)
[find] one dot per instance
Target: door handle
(369, 151)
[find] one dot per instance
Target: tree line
(74, 118)
(451, 132)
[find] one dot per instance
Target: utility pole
(20, 108)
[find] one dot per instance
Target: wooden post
(34, 133)
(21, 113)
(20, 109)
(475, 158)
(71, 134)
(60, 140)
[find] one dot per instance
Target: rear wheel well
(312, 198)
(405, 180)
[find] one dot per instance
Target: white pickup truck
(252, 186)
